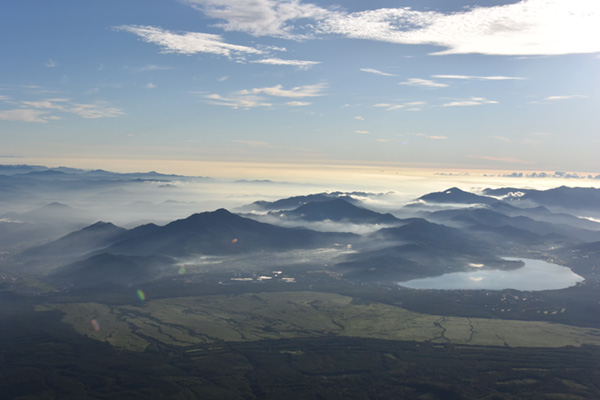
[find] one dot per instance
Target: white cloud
(298, 103)
(295, 63)
(93, 111)
(376, 72)
(50, 63)
(502, 139)
(479, 78)
(150, 85)
(569, 97)
(437, 137)
(423, 82)
(50, 104)
(260, 17)
(359, 118)
(32, 110)
(237, 101)
(529, 27)
(412, 106)
(152, 67)
(296, 92)
(473, 101)
(251, 98)
(187, 42)
(363, 132)
(389, 106)
(24, 115)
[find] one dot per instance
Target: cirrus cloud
(187, 42)
(294, 63)
(473, 101)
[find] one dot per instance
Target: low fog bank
(321, 226)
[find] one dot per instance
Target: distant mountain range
(569, 198)
(337, 210)
(41, 172)
(456, 196)
(294, 202)
(446, 231)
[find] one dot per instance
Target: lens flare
(141, 294)
(181, 270)
(95, 325)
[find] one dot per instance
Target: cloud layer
(251, 98)
(529, 27)
(43, 111)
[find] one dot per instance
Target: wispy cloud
(152, 67)
(261, 17)
(237, 101)
(473, 101)
(376, 72)
(568, 97)
(252, 98)
(426, 136)
(509, 160)
(50, 63)
(45, 104)
(150, 85)
(359, 118)
(501, 139)
(423, 82)
(24, 115)
(409, 106)
(45, 110)
(527, 27)
(363, 132)
(187, 42)
(479, 78)
(296, 92)
(298, 103)
(295, 63)
(94, 111)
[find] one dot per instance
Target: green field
(189, 321)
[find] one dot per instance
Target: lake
(535, 275)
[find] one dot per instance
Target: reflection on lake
(535, 275)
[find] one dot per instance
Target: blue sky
(441, 84)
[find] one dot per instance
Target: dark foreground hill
(91, 238)
(109, 268)
(221, 232)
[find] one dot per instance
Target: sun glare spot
(95, 325)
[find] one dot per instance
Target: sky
(440, 84)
